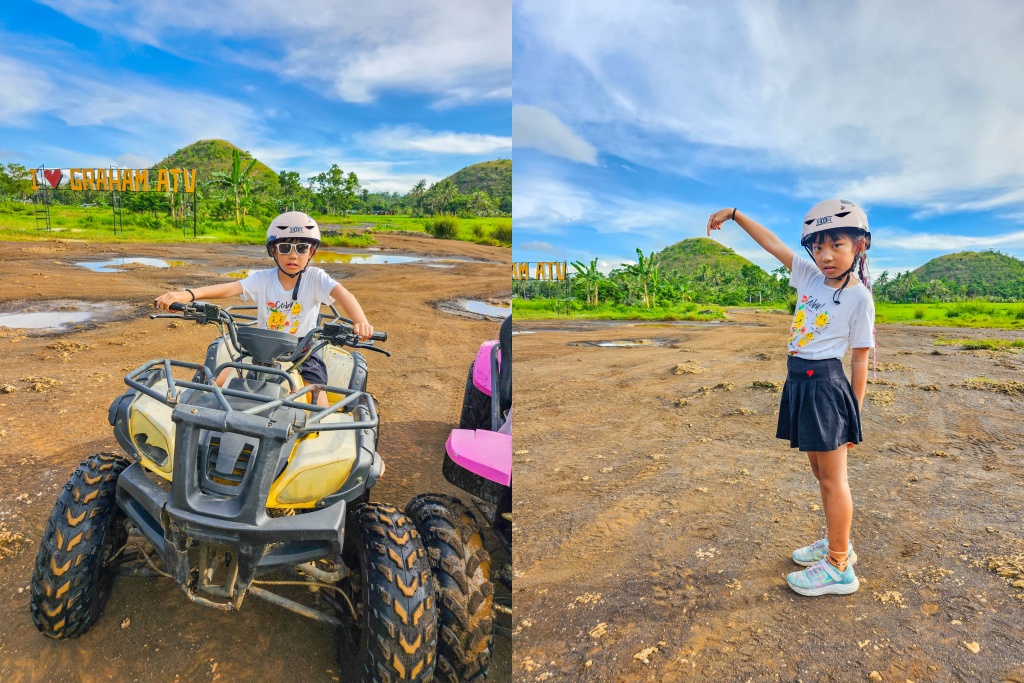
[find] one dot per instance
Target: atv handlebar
(339, 331)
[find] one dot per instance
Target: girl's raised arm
(762, 235)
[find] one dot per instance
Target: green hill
(215, 155)
(684, 258)
(965, 267)
(493, 177)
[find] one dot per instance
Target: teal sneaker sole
(831, 589)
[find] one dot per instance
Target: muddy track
(656, 512)
(56, 415)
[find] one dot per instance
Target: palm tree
(238, 181)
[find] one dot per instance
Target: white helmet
(293, 225)
(835, 214)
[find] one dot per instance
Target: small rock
(874, 676)
(126, 623)
(9, 389)
(972, 646)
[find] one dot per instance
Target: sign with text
(540, 270)
(118, 179)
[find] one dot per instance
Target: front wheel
(390, 615)
(476, 406)
(72, 579)
(465, 595)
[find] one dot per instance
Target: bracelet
(193, 294)
(733, 217)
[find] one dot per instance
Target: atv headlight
(148, 439)
(311, 485)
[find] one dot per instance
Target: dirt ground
(56, 415)
(656, 511)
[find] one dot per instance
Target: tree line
(642, 284)
(238, 192)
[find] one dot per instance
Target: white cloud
(543, 247)
(897, 239)
(23, 90)
(134, 161)
(457, 51)
(414, 138)
(861, 97)
(540, 129)
(164, 115)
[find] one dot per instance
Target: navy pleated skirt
(819, 410)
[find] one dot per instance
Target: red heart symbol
(810, 372)
(53, 177)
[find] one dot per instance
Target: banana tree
(237, 183)
(590, 276)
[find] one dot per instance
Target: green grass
(976, 314)
(978, 344)
(540, 309)
(493, 231)
(95, 224)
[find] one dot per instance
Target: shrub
(919, 312)
(444, 227)
(503, 234)
(478, 231)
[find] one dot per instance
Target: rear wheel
(392, 635)
(476, 406)
(465, 594)
(73, 575)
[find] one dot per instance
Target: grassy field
(95, 224)
(496, 231)
(539, 309)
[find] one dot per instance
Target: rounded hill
(686, 257)
(492, 177)
(988, 267)
(208, 156)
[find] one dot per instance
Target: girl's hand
(717, 218)
(165, 301)
(364, 330)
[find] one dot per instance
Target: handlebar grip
(379, 336)
(177, 307)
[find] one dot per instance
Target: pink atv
(478, 460)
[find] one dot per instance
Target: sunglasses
(286, 248)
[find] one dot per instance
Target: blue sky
(394, 91)
(633, 122)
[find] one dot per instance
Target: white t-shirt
(822, 329)
(275, 309)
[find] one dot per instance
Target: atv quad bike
(225, 486)
(478, 460)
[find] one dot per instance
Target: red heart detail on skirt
(53, 177)
(810, 372)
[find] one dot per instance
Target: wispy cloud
(754, 85)
(456, 51)
(414, 138)
(540, 129)
(897, 239)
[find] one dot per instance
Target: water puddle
(111, 266)
(57, 315)
(623, 343)
(325, 256)
(472, 308)
(484, 308)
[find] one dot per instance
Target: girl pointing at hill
(820, 410)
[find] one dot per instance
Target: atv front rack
(161, 368)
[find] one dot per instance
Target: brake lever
(371, 347)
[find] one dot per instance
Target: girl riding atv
(288, 297)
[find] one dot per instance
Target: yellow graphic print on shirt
(284, 316)
(799, 332)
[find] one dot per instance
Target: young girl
(820, 410)
(287, 297)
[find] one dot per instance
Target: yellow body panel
(318, 466)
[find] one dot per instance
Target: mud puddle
(59, 315)
(115, 265)
(474, 308)
(623, 343)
